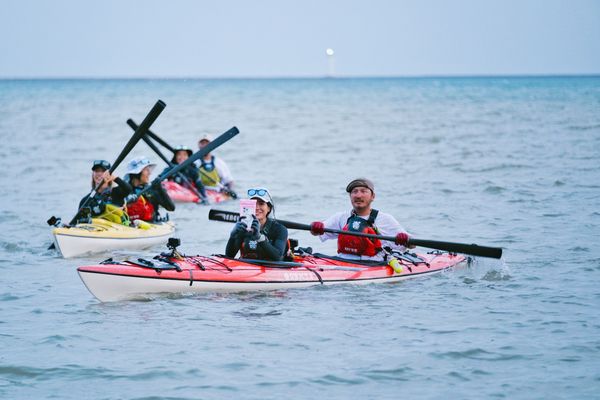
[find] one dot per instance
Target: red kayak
(166, 273)
(181, 194)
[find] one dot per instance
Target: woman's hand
(240, 229)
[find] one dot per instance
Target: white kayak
(101, 235)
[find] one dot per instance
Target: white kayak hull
(75, 242)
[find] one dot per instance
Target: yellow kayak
(102, 235)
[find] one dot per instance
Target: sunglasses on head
(257, 192)
(101, 163)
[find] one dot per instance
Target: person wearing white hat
(145, 206)
(213, 170)
(362, 218)
(267, 239)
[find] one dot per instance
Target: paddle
(137, 135)
(472, 249)
(189, 184)
(166, 145)
(197, 155)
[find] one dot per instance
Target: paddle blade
(472, 249)
(139, 132)
(223, 216)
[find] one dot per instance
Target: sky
(282, 38)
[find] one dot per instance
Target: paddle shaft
(190, 185)
(197, 155)
(135, 138)
(166, 145)
(472, 249)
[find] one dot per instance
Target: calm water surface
(510, 162)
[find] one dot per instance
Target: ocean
(512, 162)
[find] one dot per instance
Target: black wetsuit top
(274, 248)
(115, 195)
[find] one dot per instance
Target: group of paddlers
(134, 200)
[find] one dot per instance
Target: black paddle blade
(472, 249)
(223, 216)
(139, 132)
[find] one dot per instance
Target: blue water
(509, 162)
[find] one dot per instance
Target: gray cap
(364, 182)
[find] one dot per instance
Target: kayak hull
(129, 281)
(181, 194)
(101, 236)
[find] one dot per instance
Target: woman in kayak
(188, 176)
(144, 206)
(105, 195)
(267, 239)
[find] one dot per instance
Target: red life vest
(141, 209)
(356, 245)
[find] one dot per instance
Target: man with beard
(362, 218)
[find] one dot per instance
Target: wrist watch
(261, 238)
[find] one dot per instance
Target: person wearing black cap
(106, 194)
(362, 218)
(267, 239)
(180, 154)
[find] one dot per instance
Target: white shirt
(222, 170)
(385, 223)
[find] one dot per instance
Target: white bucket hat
(136, 165)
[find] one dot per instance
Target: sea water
(508, 162)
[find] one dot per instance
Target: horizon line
(307, 77)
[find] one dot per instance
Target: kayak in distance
(101, 235)
(175, 274)
(180, 194)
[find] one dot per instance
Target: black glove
(240, 229)
(254, 229)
